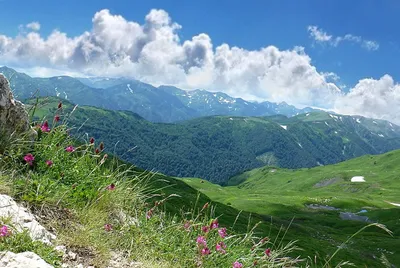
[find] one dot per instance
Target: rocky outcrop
(23, 220)
(13, 117)
(22, 260)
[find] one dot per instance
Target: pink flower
(57, 118)
(187, 226)
(201, 240)
(45, 127)
(220, 246)
(91, 140)
(214, 224)
(268, 252)
(108, 227)
(49, 163)
(4, 231)
(205, 251)
(70, 149)
(111, 187)
(222, 232)
(205, 229)
(29, 158)
(237, 264)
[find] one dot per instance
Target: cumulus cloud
(34, 26)
(153, 52)
(322, 37)
(372, 98)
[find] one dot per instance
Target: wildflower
(91, 140)
(205, 229)
(205, 251)
(149, 214)
(29, 158)
(205, 206)
(101, 146)
(4, 231)
(97, 151)
(60, 105)
(45, 127)
(237, 264)
(70, 149)
(57, 118)
(222, 232)
(220, 246)
(187, 225)
(268, 252)
(265, 239)
(214, 224)
(108, 227)
(111, 187)
(201, 240)
(49, 163)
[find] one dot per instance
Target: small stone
(72, 255)
(62, 249)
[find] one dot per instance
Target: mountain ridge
(157, 104)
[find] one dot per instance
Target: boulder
(23, 220)
(22, 260)
(13, 117)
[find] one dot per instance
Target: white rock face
(22, 260)
(23, 220)
(358, 179)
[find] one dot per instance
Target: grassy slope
(284, 193)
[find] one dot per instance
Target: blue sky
(343, 44)
(247, 24)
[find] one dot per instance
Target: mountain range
(156, 104)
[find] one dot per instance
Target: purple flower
(268, 252)
(220, 246)
(4, 231)
(108, 227)
(214, 224)
(222, 232)
(29, 158)
(205, 229)
(201, 240)
(237, 264)
(57, 118)
(45, 127)
(205, 251)
(70, 149)
(49, 163)
(111, 187)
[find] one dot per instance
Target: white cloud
(372, 98)
(321, 37)
(318, 34)
(34, 26)
(154, 53)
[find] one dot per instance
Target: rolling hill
(324, 203)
